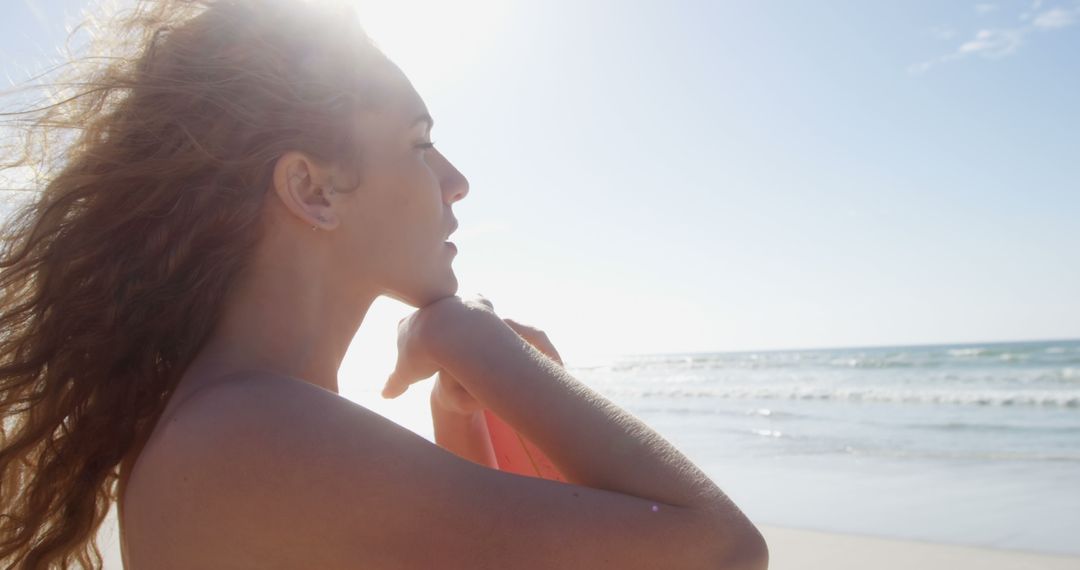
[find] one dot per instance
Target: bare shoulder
(274, 472)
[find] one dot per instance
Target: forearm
(590, 439)
(464, 435)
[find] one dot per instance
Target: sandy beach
(793, 549)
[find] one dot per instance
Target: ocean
(975, 444)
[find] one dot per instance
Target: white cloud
(993, 43)
(1002, 42)
(983, 9)
(1056, 19)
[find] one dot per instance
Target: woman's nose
(455, 186)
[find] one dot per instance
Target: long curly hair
(148, 156)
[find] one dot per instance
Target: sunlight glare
(433, 41)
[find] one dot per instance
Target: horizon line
(856, 347)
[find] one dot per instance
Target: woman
(245, 178)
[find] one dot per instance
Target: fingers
(413, 365)
(535, 337)
(394, 387)
(403, 373)
(484, 301)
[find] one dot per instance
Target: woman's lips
(450, 245)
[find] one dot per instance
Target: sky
(683, 176)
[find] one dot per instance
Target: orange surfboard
(517, 454)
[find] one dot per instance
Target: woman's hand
(414, 361)
(537, 338)
(418, 333)
(450, 395)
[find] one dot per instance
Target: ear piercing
(328, 189)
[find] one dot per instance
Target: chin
(425, 294)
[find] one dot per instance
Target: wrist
(474, 331)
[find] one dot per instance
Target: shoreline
(799, 549)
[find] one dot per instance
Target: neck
(287, 318)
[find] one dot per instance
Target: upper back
(267, 471)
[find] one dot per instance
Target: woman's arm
(624, 481)
(458, 418)
(592, 441)
(465, 435)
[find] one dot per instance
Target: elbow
(757, 558)
(745, 550)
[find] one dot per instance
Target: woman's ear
(305, 187)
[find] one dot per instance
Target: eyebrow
(424, 118)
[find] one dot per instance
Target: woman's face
(394, 225)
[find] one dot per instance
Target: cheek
(403, 227)
(421, 193)
(403, 209)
